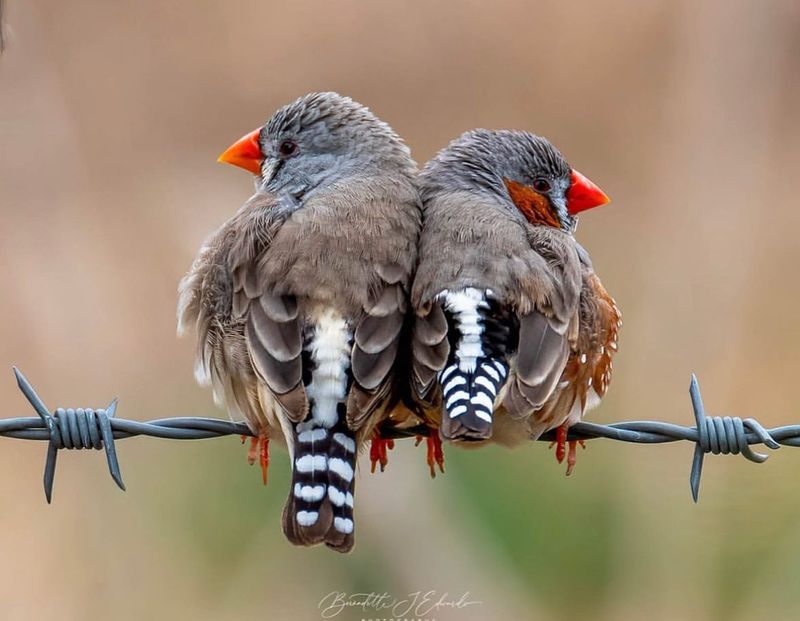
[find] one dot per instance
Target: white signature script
(416, 604)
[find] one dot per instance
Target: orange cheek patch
(535, 207)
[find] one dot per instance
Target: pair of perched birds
(353, 294)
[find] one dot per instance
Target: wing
(248, 338)
(542, 355)
(375, 345)
(429, 351)
(274, 341)
(547, 331)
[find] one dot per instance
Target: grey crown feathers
(336, 138)
(480, 159)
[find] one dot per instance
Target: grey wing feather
(429, 350)
(375, 332)
(541, 358)
(246, 337)
(375, 346)
(370, 370)
(281, 339)
(547, 332)
(274, 340)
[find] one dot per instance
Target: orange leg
(562, 443)
(379, 451)
(259, 451)
(435, 452)
(571, 457)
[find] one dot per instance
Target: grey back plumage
(303, 293)
(475, 238)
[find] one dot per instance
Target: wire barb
(73, 429)
(98, 429)
(722, 435)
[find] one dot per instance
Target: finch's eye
(541, 185)
(287, 148)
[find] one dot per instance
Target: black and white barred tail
(320, 504)
(469, 398)
(341, 485)
(479, 332)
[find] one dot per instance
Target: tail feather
(341, 487)
(320, 504)
(480, 330)
(304, 520)
(469, 398)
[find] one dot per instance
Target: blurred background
(111, 117)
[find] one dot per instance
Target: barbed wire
(83, 428)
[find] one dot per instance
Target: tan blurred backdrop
(686, 113)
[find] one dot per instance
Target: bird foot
(566, 448)
(379, 451)
(259, 451)
(435, 452)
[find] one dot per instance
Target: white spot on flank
(343, 525)
(583, 358)
(307, 518)
(349, 500)
(341, 467)
(330, 350)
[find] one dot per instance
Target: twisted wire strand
(83, 428)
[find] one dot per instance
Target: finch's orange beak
(583, 194)
(245, 153)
